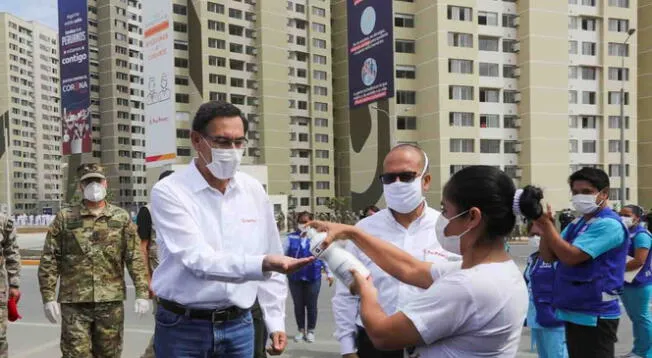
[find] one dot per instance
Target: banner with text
(371, 51)
(75, 80)
(160, 111)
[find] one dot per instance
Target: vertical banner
(160, 111)
(371, 51)
(75, 81)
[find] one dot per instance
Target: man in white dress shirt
(219, 248)
(407, 223)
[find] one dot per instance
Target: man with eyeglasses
(408, 223)
(86, 250)
(219, 248)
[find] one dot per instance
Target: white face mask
(585, 203)
(451, 243)
(628, 221)
(403, 197)
(94, 192)
(301, 227)
(225, 162)
(534, 242)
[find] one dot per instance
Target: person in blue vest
(305, 283)
(547, 331)
(637, 293)
(590, 255)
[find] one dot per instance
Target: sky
(43, 11)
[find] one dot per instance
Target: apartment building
(527, 86)
(272, 59)
(645, 103)
(29, 101)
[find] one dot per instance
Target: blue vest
(644, 277)
(542, 278)
(581, 288)
(310, 272)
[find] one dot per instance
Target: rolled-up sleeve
(272, 293)
(345, 310)
(184, 242)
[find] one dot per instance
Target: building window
(407, 72)
(323, 185)
(487, 18)
(405, 46)
(180, 27)
(490, 146)
(461, 119)
(319, 43)
(317, 11)
(574, 146)
(588, 146)
(572, 47)
(459, 13)
(320, 91)
(460, 66)
(588, 48)
(509, 71)
(317, 27)
(510, 122)
(589, 122)
(305, 201)
(489, 121)
(614, 146)
(456, 168)
(319, 59)
(615, 97)
(618, 25)
(614, 122)
(510, 46)
(573, 72)
(406, 97)
(489, 95)
(618, 49)
(512, 147)
(321, 107)
(180, 62)
(322, 169)
(509, 20)
(589, 97)
(618, 74)
(588, 24)
(216, 43)
(487, 43)
(458, 39)
(321, 122)
(179, 9)
(619, 3)
(489, 69)
(403, 123)
(460, 93)
(322, 154)
(216, 8)
(404, 20)
(572, 97)
(321, 138)
(319, 75)
(614, 170)
(461, 145)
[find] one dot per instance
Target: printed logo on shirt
(249, 221)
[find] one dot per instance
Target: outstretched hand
(284, 264)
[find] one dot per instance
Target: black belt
(215, 316)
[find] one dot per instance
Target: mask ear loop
(201, 155)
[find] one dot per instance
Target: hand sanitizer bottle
(339, 260)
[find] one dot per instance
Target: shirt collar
(392, 219)
(84, 211)
(197, 182)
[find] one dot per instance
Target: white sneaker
(310, 337)
(299, 337)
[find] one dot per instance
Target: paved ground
(35, 337)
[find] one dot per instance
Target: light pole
(623, 190)
(392, 124)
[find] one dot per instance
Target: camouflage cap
(88, 171)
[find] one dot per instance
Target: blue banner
(371, 51)
(75, 79)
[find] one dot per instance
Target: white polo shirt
(211, 245)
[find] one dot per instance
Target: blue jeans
(304, 296)
(636, 301)
(178, 336)
(551, 343)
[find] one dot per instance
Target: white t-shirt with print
(476, 312)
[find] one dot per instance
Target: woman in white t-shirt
(473, 308)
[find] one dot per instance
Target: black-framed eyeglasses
(225, 142)
(405, 177)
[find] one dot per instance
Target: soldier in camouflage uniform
(86, 249)
(9, 273)
(149, 249)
